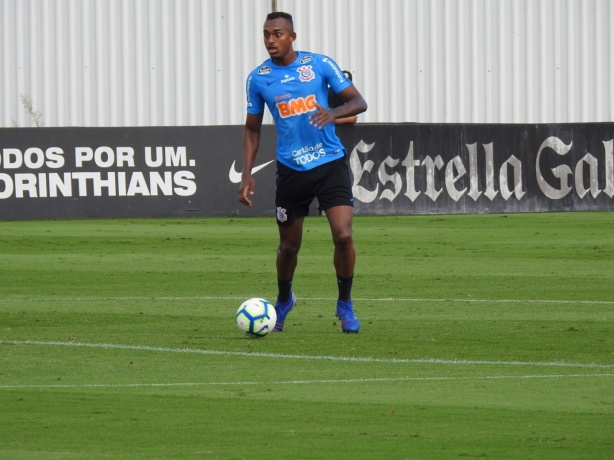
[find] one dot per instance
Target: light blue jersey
(291, 92)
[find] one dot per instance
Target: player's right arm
(251, 142)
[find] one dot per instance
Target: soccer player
(310, 157)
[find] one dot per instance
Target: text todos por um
(102, 157)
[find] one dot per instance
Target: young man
(310, 158)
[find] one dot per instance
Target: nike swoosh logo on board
(235, 176)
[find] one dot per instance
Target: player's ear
(293, 36)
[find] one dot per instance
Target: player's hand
(246, 188)
(321, 117)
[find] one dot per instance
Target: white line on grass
(305, 382)
(311, 357)
(327, 299)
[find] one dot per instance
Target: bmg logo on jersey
(297, 106)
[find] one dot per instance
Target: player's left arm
(354, 104)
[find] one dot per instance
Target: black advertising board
(426, 169)
(50, 173)
(127, 172)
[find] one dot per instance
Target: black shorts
(330, 183)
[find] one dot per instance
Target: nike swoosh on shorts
(235, 176)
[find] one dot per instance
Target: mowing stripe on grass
(310, 357)
(325, 299)
(304, 382)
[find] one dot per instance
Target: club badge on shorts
(281, 214)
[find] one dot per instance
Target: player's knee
(288, 250)
(343, 241)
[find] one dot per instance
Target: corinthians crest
(305, 73)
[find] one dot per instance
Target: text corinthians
(101, 171)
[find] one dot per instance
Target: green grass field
(485, 336)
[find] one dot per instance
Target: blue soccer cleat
(282, 310)
(345, 312)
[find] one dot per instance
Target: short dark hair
(281, 15)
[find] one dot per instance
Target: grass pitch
(485, 336)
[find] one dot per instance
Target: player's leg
(335, 198)
(340, 221)
(290, 238)
(292, 207)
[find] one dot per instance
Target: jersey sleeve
(255, 101)
(335, 78)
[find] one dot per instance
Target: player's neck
(287, 59)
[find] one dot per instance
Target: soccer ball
(256, 317)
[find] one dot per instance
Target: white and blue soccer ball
(256, 317)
